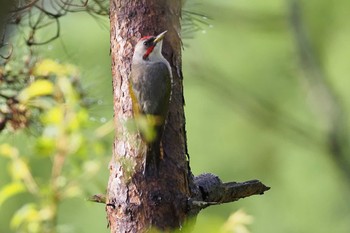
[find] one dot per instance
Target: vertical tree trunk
(136, 203)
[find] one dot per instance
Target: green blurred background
(248, 111)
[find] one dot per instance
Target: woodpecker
(150, 84)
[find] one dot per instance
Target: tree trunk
(168, 197)
(134, 202)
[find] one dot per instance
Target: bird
(150, 84)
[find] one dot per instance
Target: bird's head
(149, 48)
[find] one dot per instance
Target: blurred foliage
(237, 222)
(64, 138)
(251, 112)
(146, 125)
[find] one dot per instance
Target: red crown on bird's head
(146, 37)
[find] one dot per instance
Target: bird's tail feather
(154, 156)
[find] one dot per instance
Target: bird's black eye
(149, 42)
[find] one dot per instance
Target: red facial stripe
(145, 37)
(148, 52)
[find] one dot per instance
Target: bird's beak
(159, 37)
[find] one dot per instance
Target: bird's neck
(150, 60)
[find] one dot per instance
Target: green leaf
(35, 89)
(45, 146)
(73, 190)
(19, 169)
(54, 116)
(238, 222)
(47, 66)
(147, 126)
(27, 214)
(11, 190)
(8, 151)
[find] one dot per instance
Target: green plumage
(151, 89)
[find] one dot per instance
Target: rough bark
(134, 202)
(214, 192)
(165, 199)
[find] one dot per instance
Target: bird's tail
(154, 155)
